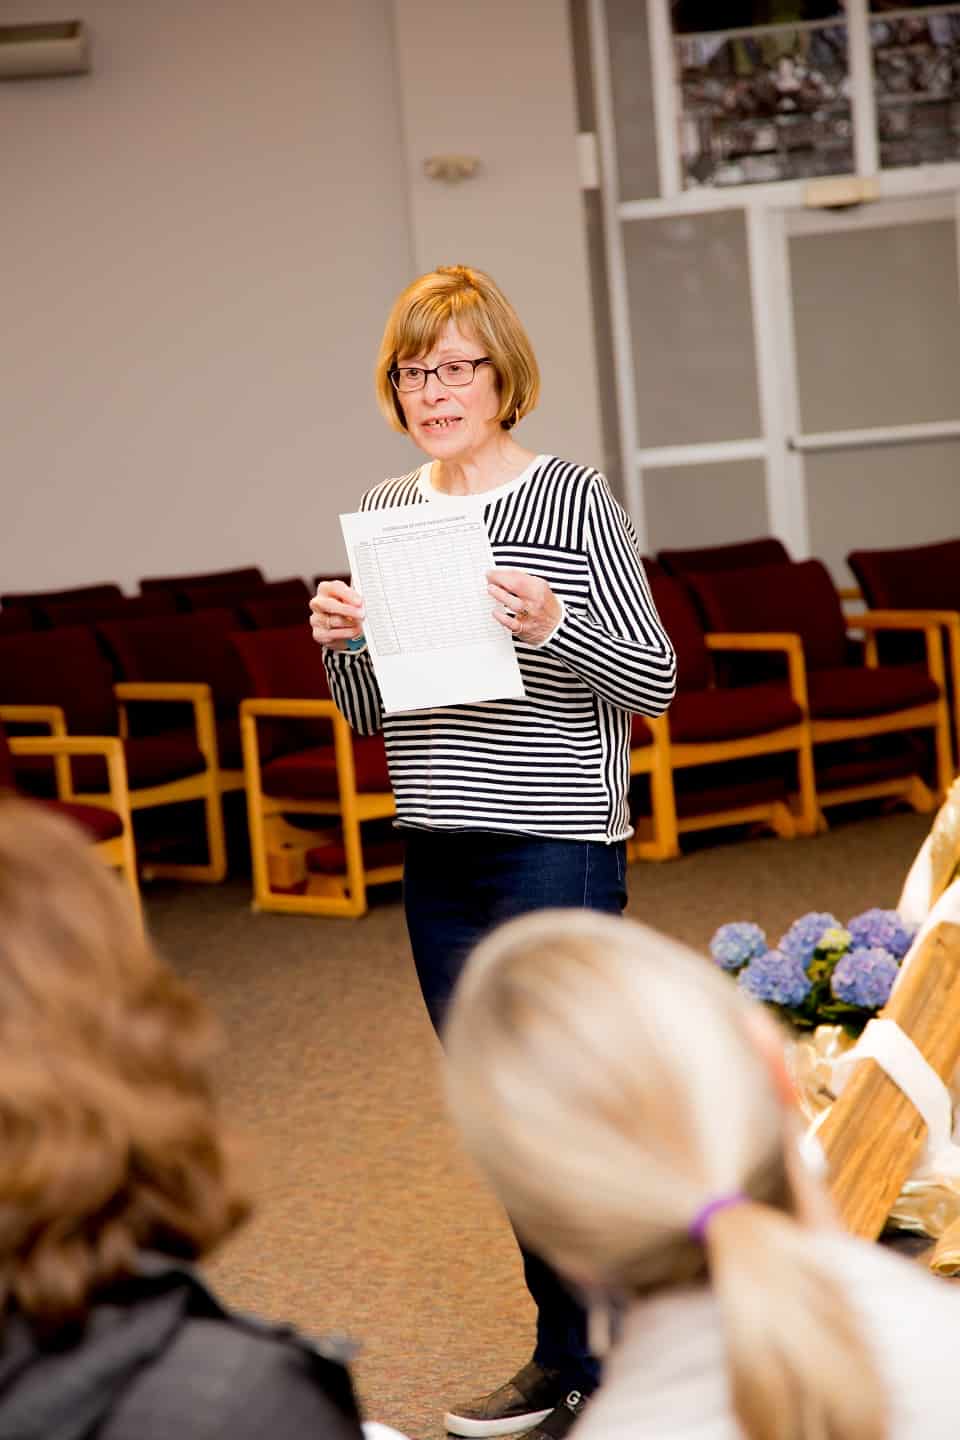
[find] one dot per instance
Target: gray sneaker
(518, 1405)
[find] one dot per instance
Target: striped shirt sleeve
(617, 645)
(354, 688)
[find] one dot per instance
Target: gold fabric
(945, 844)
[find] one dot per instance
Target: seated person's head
(604, 1077)
(111, 1143)
(634, 1113)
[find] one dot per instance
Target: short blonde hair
(606, 1080)
(479, 308)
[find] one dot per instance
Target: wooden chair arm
(873, 622)
(109, 746)
(162, 690)
(772, 640)
(292, 709)
(900, 619)
(51, 715)
(791, 645)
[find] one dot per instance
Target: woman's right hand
(337, 612)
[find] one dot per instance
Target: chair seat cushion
(331, 859)
(312, 774)
(850, 692)
(705, 715)
(98, 823)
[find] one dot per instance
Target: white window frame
(772, 213)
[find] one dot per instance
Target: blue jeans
(458, 885)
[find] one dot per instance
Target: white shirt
(667, 1376)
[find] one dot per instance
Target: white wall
(496, 80)
(200, 241)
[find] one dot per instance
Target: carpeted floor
(369, 1219)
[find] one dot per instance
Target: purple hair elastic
(697, 1229)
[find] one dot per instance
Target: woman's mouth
(441, 422)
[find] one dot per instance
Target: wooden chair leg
(809, 816)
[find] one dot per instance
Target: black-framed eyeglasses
(451, 372)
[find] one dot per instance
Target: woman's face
(448, 421)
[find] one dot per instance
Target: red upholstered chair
(246, 577)
(188, 663)
(34, 600)
(314, 795)
(106, 819)
(15, 621)
(738, 555)
(88, 612)
(278, 603)
(61, 679)
(924, 580)
(864, 718)
(716, 758)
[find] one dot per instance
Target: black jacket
(160, 1358)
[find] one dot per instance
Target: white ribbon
(897, 1055)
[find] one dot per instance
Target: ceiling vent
(31, 51)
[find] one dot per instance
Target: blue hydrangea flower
(804, 934)
(736, 943)
(884, 930)
(777, 978)
(865, 977)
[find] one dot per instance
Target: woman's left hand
(526, 606)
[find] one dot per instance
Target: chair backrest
(15, 621)
(88, 612)
(60, 667)
(249, 575)
(284, 663)
(738, 555)
(37, 600)
(278, 603)
(920, 577)
(178, 647)
(798, 597)
(682, 624)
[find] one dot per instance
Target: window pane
(765, 105)
(688, 288)
(916, 63)
(693, 505)
(876, 319)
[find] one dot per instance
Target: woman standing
(511, 805)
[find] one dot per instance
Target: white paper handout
(428, 619)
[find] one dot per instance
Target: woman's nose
(434, 386)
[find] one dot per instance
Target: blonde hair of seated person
(610, 1083)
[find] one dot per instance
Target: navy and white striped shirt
(555, 763)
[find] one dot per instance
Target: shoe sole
(476, 1429)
